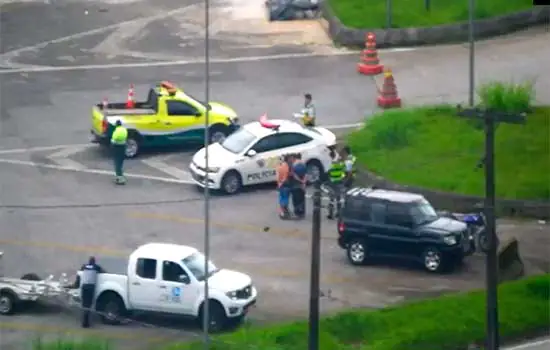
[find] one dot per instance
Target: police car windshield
(422, 212)
(238, 141)
(195, 264)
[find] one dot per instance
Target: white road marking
(94, 171)
(44, 148)
(528, 345)
(62, 158)
(72, 37)
(175, 63)
(167, 169)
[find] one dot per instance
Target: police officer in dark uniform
(88, 280)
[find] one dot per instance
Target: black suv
(382, 223)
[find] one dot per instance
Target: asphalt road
(57, 200)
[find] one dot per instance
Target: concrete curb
(443, 34)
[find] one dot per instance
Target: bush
(507, 97)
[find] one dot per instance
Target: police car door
(260, 168)
(178, 293)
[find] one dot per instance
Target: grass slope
(432, 148)
(412, 13)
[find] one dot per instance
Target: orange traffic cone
(370, 64)
(130, 103)
(388, 97)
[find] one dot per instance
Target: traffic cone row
(369, 64)
(387, 96)
(130, 102)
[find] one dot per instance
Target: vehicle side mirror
(198, 114)
(184, 279)
(251, 153)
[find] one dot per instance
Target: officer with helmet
(336, 176)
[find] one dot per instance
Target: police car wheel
(132, 147)
(314, 171)
(231, 182)
(7, 303)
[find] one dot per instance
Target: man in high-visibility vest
(336, 176)
(118, 141)
(349, 164)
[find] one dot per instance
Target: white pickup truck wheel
(217, 317)
(111, 308)
(7, 303)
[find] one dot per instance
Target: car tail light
(341, 227)
(105, 125)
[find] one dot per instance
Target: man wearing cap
(118, 141)
(308, 112)
(87, 281)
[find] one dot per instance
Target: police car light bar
(267, 124)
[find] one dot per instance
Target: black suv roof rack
(361, 191)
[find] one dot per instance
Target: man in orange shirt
(283, 186)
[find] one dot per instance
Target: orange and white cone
(130, 102)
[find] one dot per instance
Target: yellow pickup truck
(169, 117)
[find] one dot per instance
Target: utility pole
(491, 117)
(314, 286)
(206, 306)
(471, 39)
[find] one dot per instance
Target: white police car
(250, 155)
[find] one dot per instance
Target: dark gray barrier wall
(459, 202)
(401, 37)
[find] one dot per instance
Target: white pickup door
(161, 286)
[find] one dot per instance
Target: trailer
(17, 293)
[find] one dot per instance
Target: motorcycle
(476, 223)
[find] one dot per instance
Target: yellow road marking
(235, 226)
(67, 247)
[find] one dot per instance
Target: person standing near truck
(118, 141)
(283, 186)
(88, 280)
(298, 195)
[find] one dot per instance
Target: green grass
(431, 147)
(412, 13)
(440, 323)
(69, 344)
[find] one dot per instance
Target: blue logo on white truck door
(176, 291)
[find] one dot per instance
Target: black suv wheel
(357, 252)
(432, 260)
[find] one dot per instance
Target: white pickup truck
(169, 279)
